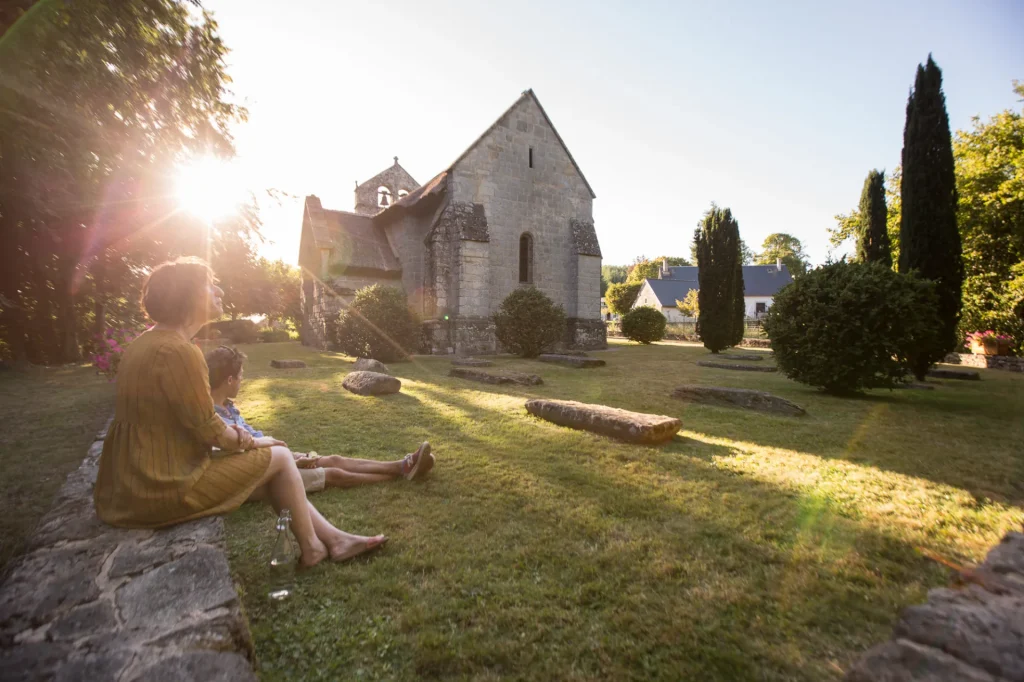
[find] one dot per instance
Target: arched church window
(526, 258)
(383, 197)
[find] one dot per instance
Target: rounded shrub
(846, 327)
(274, 335)
(235, 331)
(379, 325)
(644, 325)
(528, 322)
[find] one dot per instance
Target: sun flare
(209, 188)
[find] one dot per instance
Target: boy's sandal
(413, 462)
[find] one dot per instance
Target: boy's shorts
(313, 479)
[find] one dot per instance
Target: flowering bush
(988, 335)
(112, 345)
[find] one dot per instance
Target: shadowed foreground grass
(49, 416)
(750, 547)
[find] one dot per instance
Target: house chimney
(778, 264)
(664, 273)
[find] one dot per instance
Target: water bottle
(282, 561)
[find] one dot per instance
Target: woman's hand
(266, 442)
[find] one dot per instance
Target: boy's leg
(362, 466)
(341, 478)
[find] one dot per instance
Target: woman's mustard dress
(156, 468)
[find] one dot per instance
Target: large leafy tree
(929, 238)
(784, 247)
(990, 184)
(98, 100)
(873, 230)
(720, 280)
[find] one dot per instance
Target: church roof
(358, 243)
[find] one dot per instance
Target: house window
(525, 259)
(531, 157)
(760, 308)
(383, 197)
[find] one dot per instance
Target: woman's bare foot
(348, 546)
(316, 553)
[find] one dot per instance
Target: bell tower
(383, 190)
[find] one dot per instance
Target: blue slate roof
(758, 280)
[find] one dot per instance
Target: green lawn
(49, 417)
(750, 547)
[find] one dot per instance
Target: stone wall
(542, 201)
(1008, 363)
(92, 602)
(974, 633)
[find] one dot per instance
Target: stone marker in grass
(738, 397)
(747, 357)
(483, 377)
(943, 373)
(577, 361)
(731, 365)
(371, 383)
(632, 427)
(914, 386)
(370, 365)
(287, 364)
(471, 362)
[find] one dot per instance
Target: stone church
(513, 210)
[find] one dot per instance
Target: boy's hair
(224, 362)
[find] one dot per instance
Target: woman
(156, 468)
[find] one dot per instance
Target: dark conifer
(873, 238)
(720, 280)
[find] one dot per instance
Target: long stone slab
(92, 602)
(743, 357)
(632, 427)
(287, 364)
(738, 397)
(576, 361)
(732, 365)
(943, 373)
(483, 377)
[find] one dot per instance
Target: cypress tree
(873, 239)
(929, 238)
(719, 280)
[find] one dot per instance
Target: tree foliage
(690, 305)
(873, 230)
(621, 297)
(845, 327)
(98, 100)
(612, 274)
(528, 322)
(784, 247)
(929, 237)
(644, 325)
(848, 225)
(379, 325)
(720, 275)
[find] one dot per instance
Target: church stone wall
(541, 200)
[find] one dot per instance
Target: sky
(775, 110)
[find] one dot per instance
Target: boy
(317, 472)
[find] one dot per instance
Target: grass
(750, 547)
(50, 416)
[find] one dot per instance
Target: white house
(760, 284)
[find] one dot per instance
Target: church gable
(384, 189)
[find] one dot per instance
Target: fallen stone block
(632, 427)
(730, 365)
(965, 374)
(901, 660)
(287, 364)
(738, 397)
(914, 386)
(471, 362)
(576, 361)
(517, 378)
(370, 365)
(745, 357)
(371, 383)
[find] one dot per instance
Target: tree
(97, 102)
(720, 277)
(690, 305)
(784, 247)
(990, 185)
(642, 269)
(848, 225)
(612, 274)
(845, 327)
(929, 238)
(746, 255)
(621, 297)
(873, 231)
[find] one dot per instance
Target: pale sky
(776, 110)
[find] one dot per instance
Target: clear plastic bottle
(282, 561)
